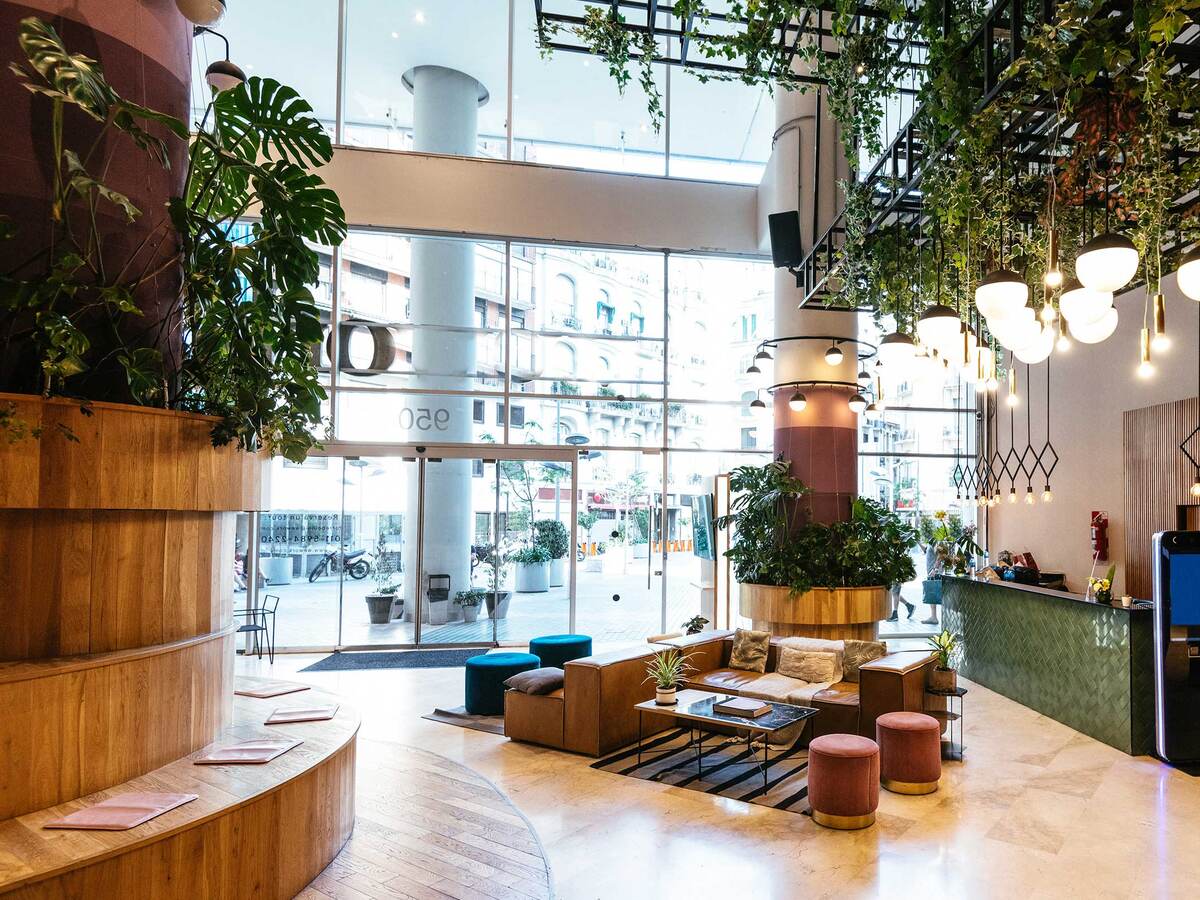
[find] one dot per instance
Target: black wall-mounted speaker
(786, 251)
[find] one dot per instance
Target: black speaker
(786, 251)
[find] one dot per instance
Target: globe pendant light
(1095, 332)
(833, 356)
(1019, 330)
(1000, 294)
(896, 349)
(223, 75)
(1107, 262)
(1188, 276)
(857, 403)
(798, 402)
(1039, 349)
(202, 12)
(757, 403)
(938, 325)
(1082, 306)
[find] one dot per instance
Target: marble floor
(1036, 811)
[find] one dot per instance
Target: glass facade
(561, 110)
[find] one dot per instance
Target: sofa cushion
(536, 681)
(809, 666)
(838, 648)
(859, 652)
(750, 650)
(732, 681)
(844, 693)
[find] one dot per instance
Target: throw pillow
(536, 681)
(859, 652)
(750, 650)
(809, 644)
(812, 666)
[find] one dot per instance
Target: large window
(565, 109)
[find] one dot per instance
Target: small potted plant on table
(469, 602)
(666, 670)
(1101, 588)
(943, 676)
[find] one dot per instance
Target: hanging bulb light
(797, 402)
(1188, 274)
(879, 404)
(896, 349)
(1107, 262)
(202, 12)
(1095, 332)
(834, 355)
(1053, 278)
(1160, 342)
(1012, 399)
(938, 326)
(1047, 496)
(1047, 313)
(1000, 294)
(1029, 498)
(1012, 494)
(1195, 488)
(1145, 368)
(857, 403)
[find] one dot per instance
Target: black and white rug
(729, 768)
(395, 659)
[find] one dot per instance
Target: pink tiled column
(821, 442)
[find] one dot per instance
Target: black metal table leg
(639, 738)
(766, 762)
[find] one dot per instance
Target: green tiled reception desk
(1085, 664)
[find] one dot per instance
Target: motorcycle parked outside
(356, 564)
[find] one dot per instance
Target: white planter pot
(665, 698)
(558, 572)
(438, 611)
(593, 564)
(277, 569)
(470, 613)
(533, 578)
(500, 610)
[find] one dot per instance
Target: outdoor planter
(835, 613)
(497, 603)
(379, 608)
(277, 569)
(558, 572)
(533, 578)
(470, 613)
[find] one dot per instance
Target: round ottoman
(910, 752)
(843, 780)
(485, 680)
(556, 649)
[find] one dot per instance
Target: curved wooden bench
(255, 831)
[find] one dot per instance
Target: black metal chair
(256, 624)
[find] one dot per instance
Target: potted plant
(666, 670)
(552, 534)
(469, 601)
(383, 573)
(533, 569)
(1101, 588)
(799, 577)
(695, 625)
(943, 676)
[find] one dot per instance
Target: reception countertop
(1088, 665)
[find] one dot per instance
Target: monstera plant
(237, 339)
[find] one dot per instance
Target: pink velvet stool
(910, 752)
(843, 780)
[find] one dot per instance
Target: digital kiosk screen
(1184, 586)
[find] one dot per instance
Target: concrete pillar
(820, 441)
(442, 310)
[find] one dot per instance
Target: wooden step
(255, 831)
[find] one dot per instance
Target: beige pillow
(809, 644)
(859, 652)
(750, 650)
(812, 666)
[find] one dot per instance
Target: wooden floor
(428, 827)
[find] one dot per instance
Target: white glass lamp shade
(1017, 330)
(798, 402)
(834, 356)
(223, 75)
(1082, 306)
(1039, 349)
(1001, 293)
(1095, 332)
(938, 326)
(1188, 276)
(896, 349)
(202, 12)
(857, 403)
(1107, 262)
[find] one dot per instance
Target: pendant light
(938, 326)
(1082, 306)
(763, 355)
(857, 403)
(753, 369)
(1108, 261)
(1145, 367)
(1063, 344)
(834, 355)
(1160, 342)
(1000, 294)
(757, 403)
(1039, 349)
(1095, 332)
(202, 12)
(1188, 274)
(896, 349)
(1011, 399)
(222, 75)
(797, 402)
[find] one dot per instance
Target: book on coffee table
(122, 812)
(742, 706)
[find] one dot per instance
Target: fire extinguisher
(1099, 535)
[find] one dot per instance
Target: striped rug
(730, 769)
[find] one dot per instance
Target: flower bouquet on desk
(1100, 589)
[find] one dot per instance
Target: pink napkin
(302, 714)
(247, 752)
(122, 812)
(271, 689)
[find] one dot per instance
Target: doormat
(395, 659)
(727, 768)
(463, 719)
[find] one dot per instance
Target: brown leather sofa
(593, 712)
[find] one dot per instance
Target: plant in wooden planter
(236, 340)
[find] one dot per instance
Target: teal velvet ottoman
(486, 675)
(556, 649)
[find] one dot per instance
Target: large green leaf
(76, 78)
(300, 202)
(265, 118)
(85, 185)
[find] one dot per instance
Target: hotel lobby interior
(517, 449)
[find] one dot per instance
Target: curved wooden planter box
(833, 613)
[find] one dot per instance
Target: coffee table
(696, 709)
